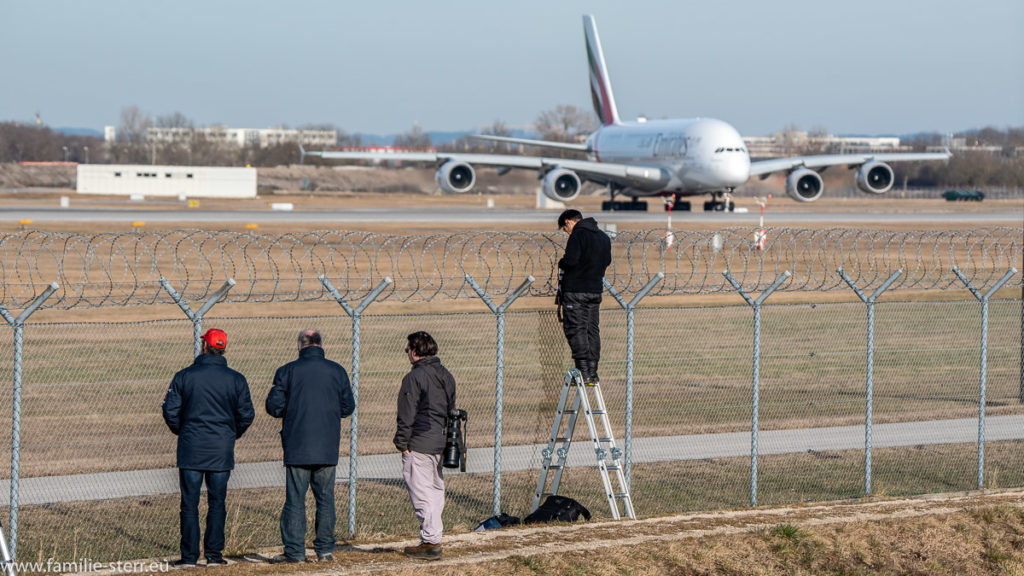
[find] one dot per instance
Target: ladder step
(569, 411)
(626, 495)
(612, 468)
(606, 440)
(555, 466)
(561, 439)
(598, 412)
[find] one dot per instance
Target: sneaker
(214, 562)
(325, 557)
(424, 551)
(182, 563)
(285, 559)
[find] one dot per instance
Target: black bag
(560, 508)
(500, 521)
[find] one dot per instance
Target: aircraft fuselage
(701, 154)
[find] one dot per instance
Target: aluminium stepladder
(6, 564)
(609, 457)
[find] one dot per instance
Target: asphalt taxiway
(1005, 216)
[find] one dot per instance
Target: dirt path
(708, 537)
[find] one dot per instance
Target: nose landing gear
(721, 201)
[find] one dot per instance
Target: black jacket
(208, 407)
(312, 394)
(426, 396)
(587, 254)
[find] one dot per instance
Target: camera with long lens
(454, 442)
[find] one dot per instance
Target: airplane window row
(723, 149)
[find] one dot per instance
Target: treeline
(1001, 166)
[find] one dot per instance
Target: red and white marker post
(762, 234)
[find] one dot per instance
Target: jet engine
(804, 185)
(561, 185)
(455, 177)
(875, 178)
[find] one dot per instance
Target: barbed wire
(119, 269)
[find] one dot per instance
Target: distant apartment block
(796, 142)
(261, 137)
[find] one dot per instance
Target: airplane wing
(766, 167)
(641, 177)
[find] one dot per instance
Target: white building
(262, 137)
(164, 181)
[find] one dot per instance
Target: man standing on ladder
(588, 253)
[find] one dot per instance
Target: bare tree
(414, 138)
(129, 146)
(565, 123)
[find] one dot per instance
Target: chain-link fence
(96, 463)
(97, 477)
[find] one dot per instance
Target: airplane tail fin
(600, 86)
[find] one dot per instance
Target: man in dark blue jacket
(588, 252)
(208, 407)
(312, 395)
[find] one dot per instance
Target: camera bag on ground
(560, 508)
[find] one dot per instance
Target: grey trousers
(425, 480)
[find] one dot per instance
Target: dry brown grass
(972, 534)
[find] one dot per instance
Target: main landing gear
(616, 205)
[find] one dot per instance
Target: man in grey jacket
(424, 401)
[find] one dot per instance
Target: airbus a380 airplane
(686, 157)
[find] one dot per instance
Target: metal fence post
(19, 329)
(629, 308)
(197, 317)
(870, 387)
(499, 376)
(983, 298)
(756, 386)
(353, 448)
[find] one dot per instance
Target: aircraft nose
(736, 171)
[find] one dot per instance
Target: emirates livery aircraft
(679, 157)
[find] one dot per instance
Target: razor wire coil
(117, 269)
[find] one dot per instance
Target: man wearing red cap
(207, 407)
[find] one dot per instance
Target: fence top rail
(117, 269)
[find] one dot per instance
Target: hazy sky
(868, 66)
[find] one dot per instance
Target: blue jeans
(191, 482)
(293, 517)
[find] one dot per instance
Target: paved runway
(484, 216)
(104, 486)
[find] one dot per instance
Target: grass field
(148, 527)
(87, 409)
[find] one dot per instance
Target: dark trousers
(581, 324)
(293, 517)
(191, 482)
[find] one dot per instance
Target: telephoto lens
(454, 446)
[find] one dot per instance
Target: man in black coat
(207, 407)
(311, 395)
(588, 252)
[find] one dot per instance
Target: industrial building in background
(166, 181)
